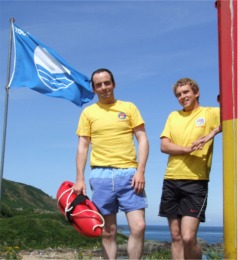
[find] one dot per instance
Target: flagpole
(12, 20)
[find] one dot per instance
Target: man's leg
(136, 222)
(109, 237)
(177, 248)
(189, 227)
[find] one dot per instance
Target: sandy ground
(56, 255)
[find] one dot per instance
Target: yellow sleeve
(84, 128)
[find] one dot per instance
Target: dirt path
(56, 254)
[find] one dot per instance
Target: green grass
(30, 220)
(161, 254)
(39, 231)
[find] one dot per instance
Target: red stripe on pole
(227, 33)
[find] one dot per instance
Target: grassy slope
(29, 219)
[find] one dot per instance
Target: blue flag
(38, 67)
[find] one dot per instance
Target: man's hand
(138, 182)
(200, 142)
(79, 187)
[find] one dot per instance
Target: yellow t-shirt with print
(110, 128)
(183, 128)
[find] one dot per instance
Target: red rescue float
(79, 211)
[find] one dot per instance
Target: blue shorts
(112, 190)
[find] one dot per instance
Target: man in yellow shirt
(188, 139)
(117, 179)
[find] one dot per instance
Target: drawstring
(67, 201)
(113, 181)
(94, 227)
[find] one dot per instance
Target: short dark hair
(102, 70)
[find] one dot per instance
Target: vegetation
(161, 254)
(7, 252)
(30, 220)
(18, 198)
(39, 231)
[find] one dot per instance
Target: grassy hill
(18, 198)
(30, 219)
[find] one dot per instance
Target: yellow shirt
(110, 127)
(183, 128)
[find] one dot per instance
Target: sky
(148, 45)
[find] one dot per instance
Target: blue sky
(148, 45)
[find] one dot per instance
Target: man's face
(103, 87)
(187, 98)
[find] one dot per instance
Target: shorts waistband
(108, 167)
(111, 172)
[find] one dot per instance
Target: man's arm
(81, 159)
(200, 142)
(173, 149)
(170, 148)
(138, 181)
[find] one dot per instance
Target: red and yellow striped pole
(227, 33)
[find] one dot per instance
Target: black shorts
(184, 198)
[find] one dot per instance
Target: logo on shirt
(200, 121)
(193, 211)
(121, 115)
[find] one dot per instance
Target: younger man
(188, 139)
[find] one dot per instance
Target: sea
(211, 235)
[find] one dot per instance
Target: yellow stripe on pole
(230, 185)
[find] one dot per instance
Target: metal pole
(227, 35)
(6, 106)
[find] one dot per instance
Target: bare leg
(189, 227)
(136, 222)
(109, 237)
(177, 248)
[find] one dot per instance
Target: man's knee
(109, 232)
(189, 240)
(176, 237)
(138, 228)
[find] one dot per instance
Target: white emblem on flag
(50, 71)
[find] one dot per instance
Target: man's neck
(107, 102)
(191, 108)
